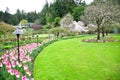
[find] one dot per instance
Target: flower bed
(106, 39)
(11, 68)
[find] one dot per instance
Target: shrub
(8, 47)
(57, 31)
(6, 28)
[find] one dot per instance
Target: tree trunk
(98, 32)
(57, 34)
(106, 33)
(103, 32)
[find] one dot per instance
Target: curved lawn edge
(37, 51)
(49, 62)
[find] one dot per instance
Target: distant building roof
(36, 27)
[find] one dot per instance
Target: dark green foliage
(32, 16)
(78, 11)
(59, 8)
(48, 26)
(14, 19)
(57, 21)
(5, 17)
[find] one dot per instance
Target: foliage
(42, 15)
(59, 8)
(58, 31)
(48, 26)
(8, 47)
(101, 12)
(78, 11)
(57, 21)
(67, 22)
(6, 29)
(91, 28)
(14, 19)
(73, 33)
(32, 16)
(75, 60)
(23, 22)
(13, 68)
(50, 11)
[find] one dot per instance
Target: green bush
(8, 47)
(57, 31)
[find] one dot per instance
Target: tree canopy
(59, 8)
(101, 12)
(14, 19)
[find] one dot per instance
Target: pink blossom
(1, 64)
(12, 53)
(9, 70)
(24, 61)
(8, 65)
(17, 73)
(19, 64)
(12, 72)
(10, 59)
(24, 78)
(4, 61)
(13, 63)
(28, 72)
(26, 67)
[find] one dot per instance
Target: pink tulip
(19, 64)
(17, 73)
(1, 64)
(12, 72)
(28, 72)
(24, 78)
(26, 67)
(10, 59)
(8, 69)
(12, 53)
(8, 65)
(13, 63)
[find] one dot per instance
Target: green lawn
(72, 59)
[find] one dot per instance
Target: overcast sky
(26, 5)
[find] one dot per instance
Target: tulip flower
(17, 73)
(10, 60)
(25, 66)
(24, 78)
(1, 64)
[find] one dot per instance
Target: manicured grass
(75, 60)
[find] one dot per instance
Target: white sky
(26, 5)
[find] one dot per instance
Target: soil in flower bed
(106, 39)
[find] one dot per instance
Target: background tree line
(59, 8)
(50, 14)
(14, 19)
